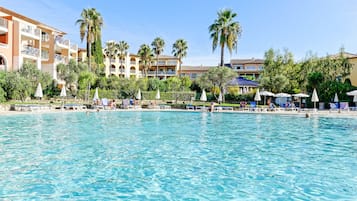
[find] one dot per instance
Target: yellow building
(131, 66)
(26, 40)
(353, 75)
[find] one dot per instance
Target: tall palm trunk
(157, 66)
(121, 66)
(180, 68)
(222, 55)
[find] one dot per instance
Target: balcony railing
(60, 58)
(133, 62)
(62, 41)
(44, 55)
(31, 51)
(172, 63)
(132, 71)
(74, 47)
(112, 60)
(162, 73)
(3, 23)
(31, 30)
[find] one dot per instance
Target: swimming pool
(177, 156)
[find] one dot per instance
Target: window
(237, 67)
(251, 68)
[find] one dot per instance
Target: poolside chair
(344, 106)
(190, 107)
(253, 106)
(333, 106)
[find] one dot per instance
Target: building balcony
(133, 62)
(3, 25)
(112, 60)
(31, 31)
(74, 47)
(162, 73)
(30, 51)
(62, 42)
(132, 71)
(60, 58)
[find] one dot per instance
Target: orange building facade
(26, 40)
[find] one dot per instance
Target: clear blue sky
(319, 26)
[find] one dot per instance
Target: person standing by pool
(212, 106)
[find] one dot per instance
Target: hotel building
(247, 67)
(26, 40)
(131, 66)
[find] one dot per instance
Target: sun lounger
(344, 106)
(190, 107)
(165, 107)
(201, 108)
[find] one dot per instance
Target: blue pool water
(177, 156)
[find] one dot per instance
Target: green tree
(218, 77)
(17, 86)
(146, 55)
(86, 79)
(154, 84)
(173, 84)
(179, 49)
(225, 32)
(111, 51)
(186, 82)
(280, 72)
(90, 25)
(122, 51)
(129, 87)
(158, 47)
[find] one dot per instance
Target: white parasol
(38, 92)
(203, 96)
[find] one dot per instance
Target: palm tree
(225, 32)
(145, 54)
(179, 49)
(122, 51)
(158, 47)
(90, 28)
(110, 51)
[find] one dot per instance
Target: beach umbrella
(314, 98)
(265, 94)
(157, 97)
(300, 96)
(257, 97)
(355, 98)
(336, 98)
(220, 97)
(63, 91)
(96, 96)
(352, 93)
(203, 96)
(38, 92)
(282, 95)
(138, 96)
